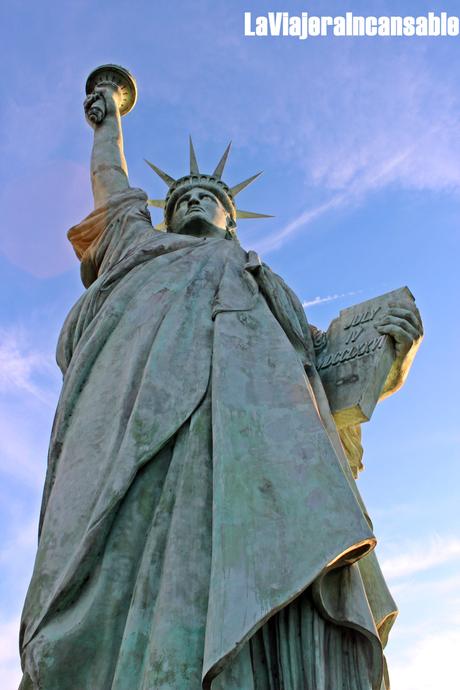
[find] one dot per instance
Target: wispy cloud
(28, 392)
(363, 182)
(20, 363)
(420, 652)
(276, 240)
(389, 122)
(422, 556)
(413, 588)
(329, 298)
(16, 561)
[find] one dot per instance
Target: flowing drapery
(196, 484)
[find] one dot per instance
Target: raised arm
(109, 173)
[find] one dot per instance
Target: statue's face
(200, 213)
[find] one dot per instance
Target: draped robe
(200, 526)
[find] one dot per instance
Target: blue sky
(359, 140)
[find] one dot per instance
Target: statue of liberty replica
(201, 527)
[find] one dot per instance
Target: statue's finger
(100, 90)
(402, 323)
(90, 100)
(407, 314)
(402, 334)
(411, 310)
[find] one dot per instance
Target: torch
(117, 78)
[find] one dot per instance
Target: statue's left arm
(401, 322)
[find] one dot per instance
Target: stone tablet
(358, 363)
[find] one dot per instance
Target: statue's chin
(200, 227)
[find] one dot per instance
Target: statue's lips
(195, 208)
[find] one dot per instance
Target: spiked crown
(213, 182)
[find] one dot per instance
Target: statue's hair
(185, 184)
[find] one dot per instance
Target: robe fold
(199, 517)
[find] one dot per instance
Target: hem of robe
(367, 629)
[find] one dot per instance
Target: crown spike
(221, 164)
(250, 214)
(239, 187)
(164, 176)
(194, 170)
(159, 203)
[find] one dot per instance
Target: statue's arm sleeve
(350, 436)
(111, 232)
(319, 339)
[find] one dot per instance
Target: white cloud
(424, 578)
(16, 562)
(17, 558)
(429, 663)
(27, 383)
(10, 671)
(420, 650)
(28, 391)
(421, 556)
(413, 589)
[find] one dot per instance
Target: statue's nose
(193, 200)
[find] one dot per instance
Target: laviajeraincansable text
(305, 25)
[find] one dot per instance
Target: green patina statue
(200, 526)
